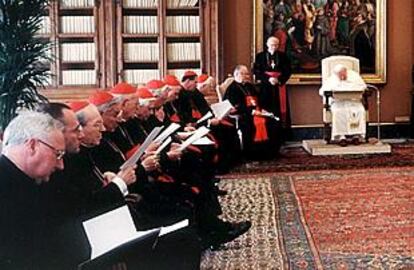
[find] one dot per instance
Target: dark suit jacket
(23, 227)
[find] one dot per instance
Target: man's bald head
(272, 44)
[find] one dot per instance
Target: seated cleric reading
(348, 112)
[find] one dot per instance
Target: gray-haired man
(33, 148)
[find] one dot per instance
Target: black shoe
(356, 141)
(343, 143)
(233, 231)
(215, 180)
(238, 229)
(212, 246)
(221, 192)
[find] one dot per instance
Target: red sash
(175, 118)
(261, 131)
(131, 151)
(196, 114)
(258, 121)
(251, 101)
(165, 178)
(283, 102)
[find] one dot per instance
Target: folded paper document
(221, 109)
(116, 228)
(205, 117)
(163, 145)
(167, 132)
(199, 133)
(141, 150)
(203, 141)
(185, 134)
(110, 230)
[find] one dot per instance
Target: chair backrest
(329, 63)
(222, 88)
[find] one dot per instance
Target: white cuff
(121, 185)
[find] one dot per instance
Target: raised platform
(321, 148)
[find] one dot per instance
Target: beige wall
(304, 100)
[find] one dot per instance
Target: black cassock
(23, 226)
(276, 65)
(225, 133)
(260, 135)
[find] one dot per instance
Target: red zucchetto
(171, 80)
(78, 105)
(202, 78)
(123, 88)
(100, 98)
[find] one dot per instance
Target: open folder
(113, 234)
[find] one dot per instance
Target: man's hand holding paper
(214, 121)
(151, 162)
(174, 154)
(128, 175)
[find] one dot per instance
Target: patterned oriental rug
(297, 159)
(359, 219)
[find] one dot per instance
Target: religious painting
(310, 30)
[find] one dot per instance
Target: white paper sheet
(167, 132)
(110, 230)
(203, 141)
(205, 117)
(185, 134)
(200, 132)
(179, 225)
(141, 150)
(221, 109)
(163, 145)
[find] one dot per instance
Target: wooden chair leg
(327, 132)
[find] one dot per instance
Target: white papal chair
(221, 88)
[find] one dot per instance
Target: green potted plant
(24, 56)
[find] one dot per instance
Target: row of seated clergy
(342, 94)
(80, 191)
(34, 146)
(188, 108)
(83, 188)
(186, 180)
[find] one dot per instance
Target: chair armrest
(327, 95)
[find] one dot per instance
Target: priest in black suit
(272, 70)
(261, 134)
(33, 149)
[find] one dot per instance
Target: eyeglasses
(59, 153)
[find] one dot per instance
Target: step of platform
(321, 148)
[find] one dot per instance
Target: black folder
(135, 252)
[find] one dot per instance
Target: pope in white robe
(348, 113)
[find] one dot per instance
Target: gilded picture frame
(305, 28)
